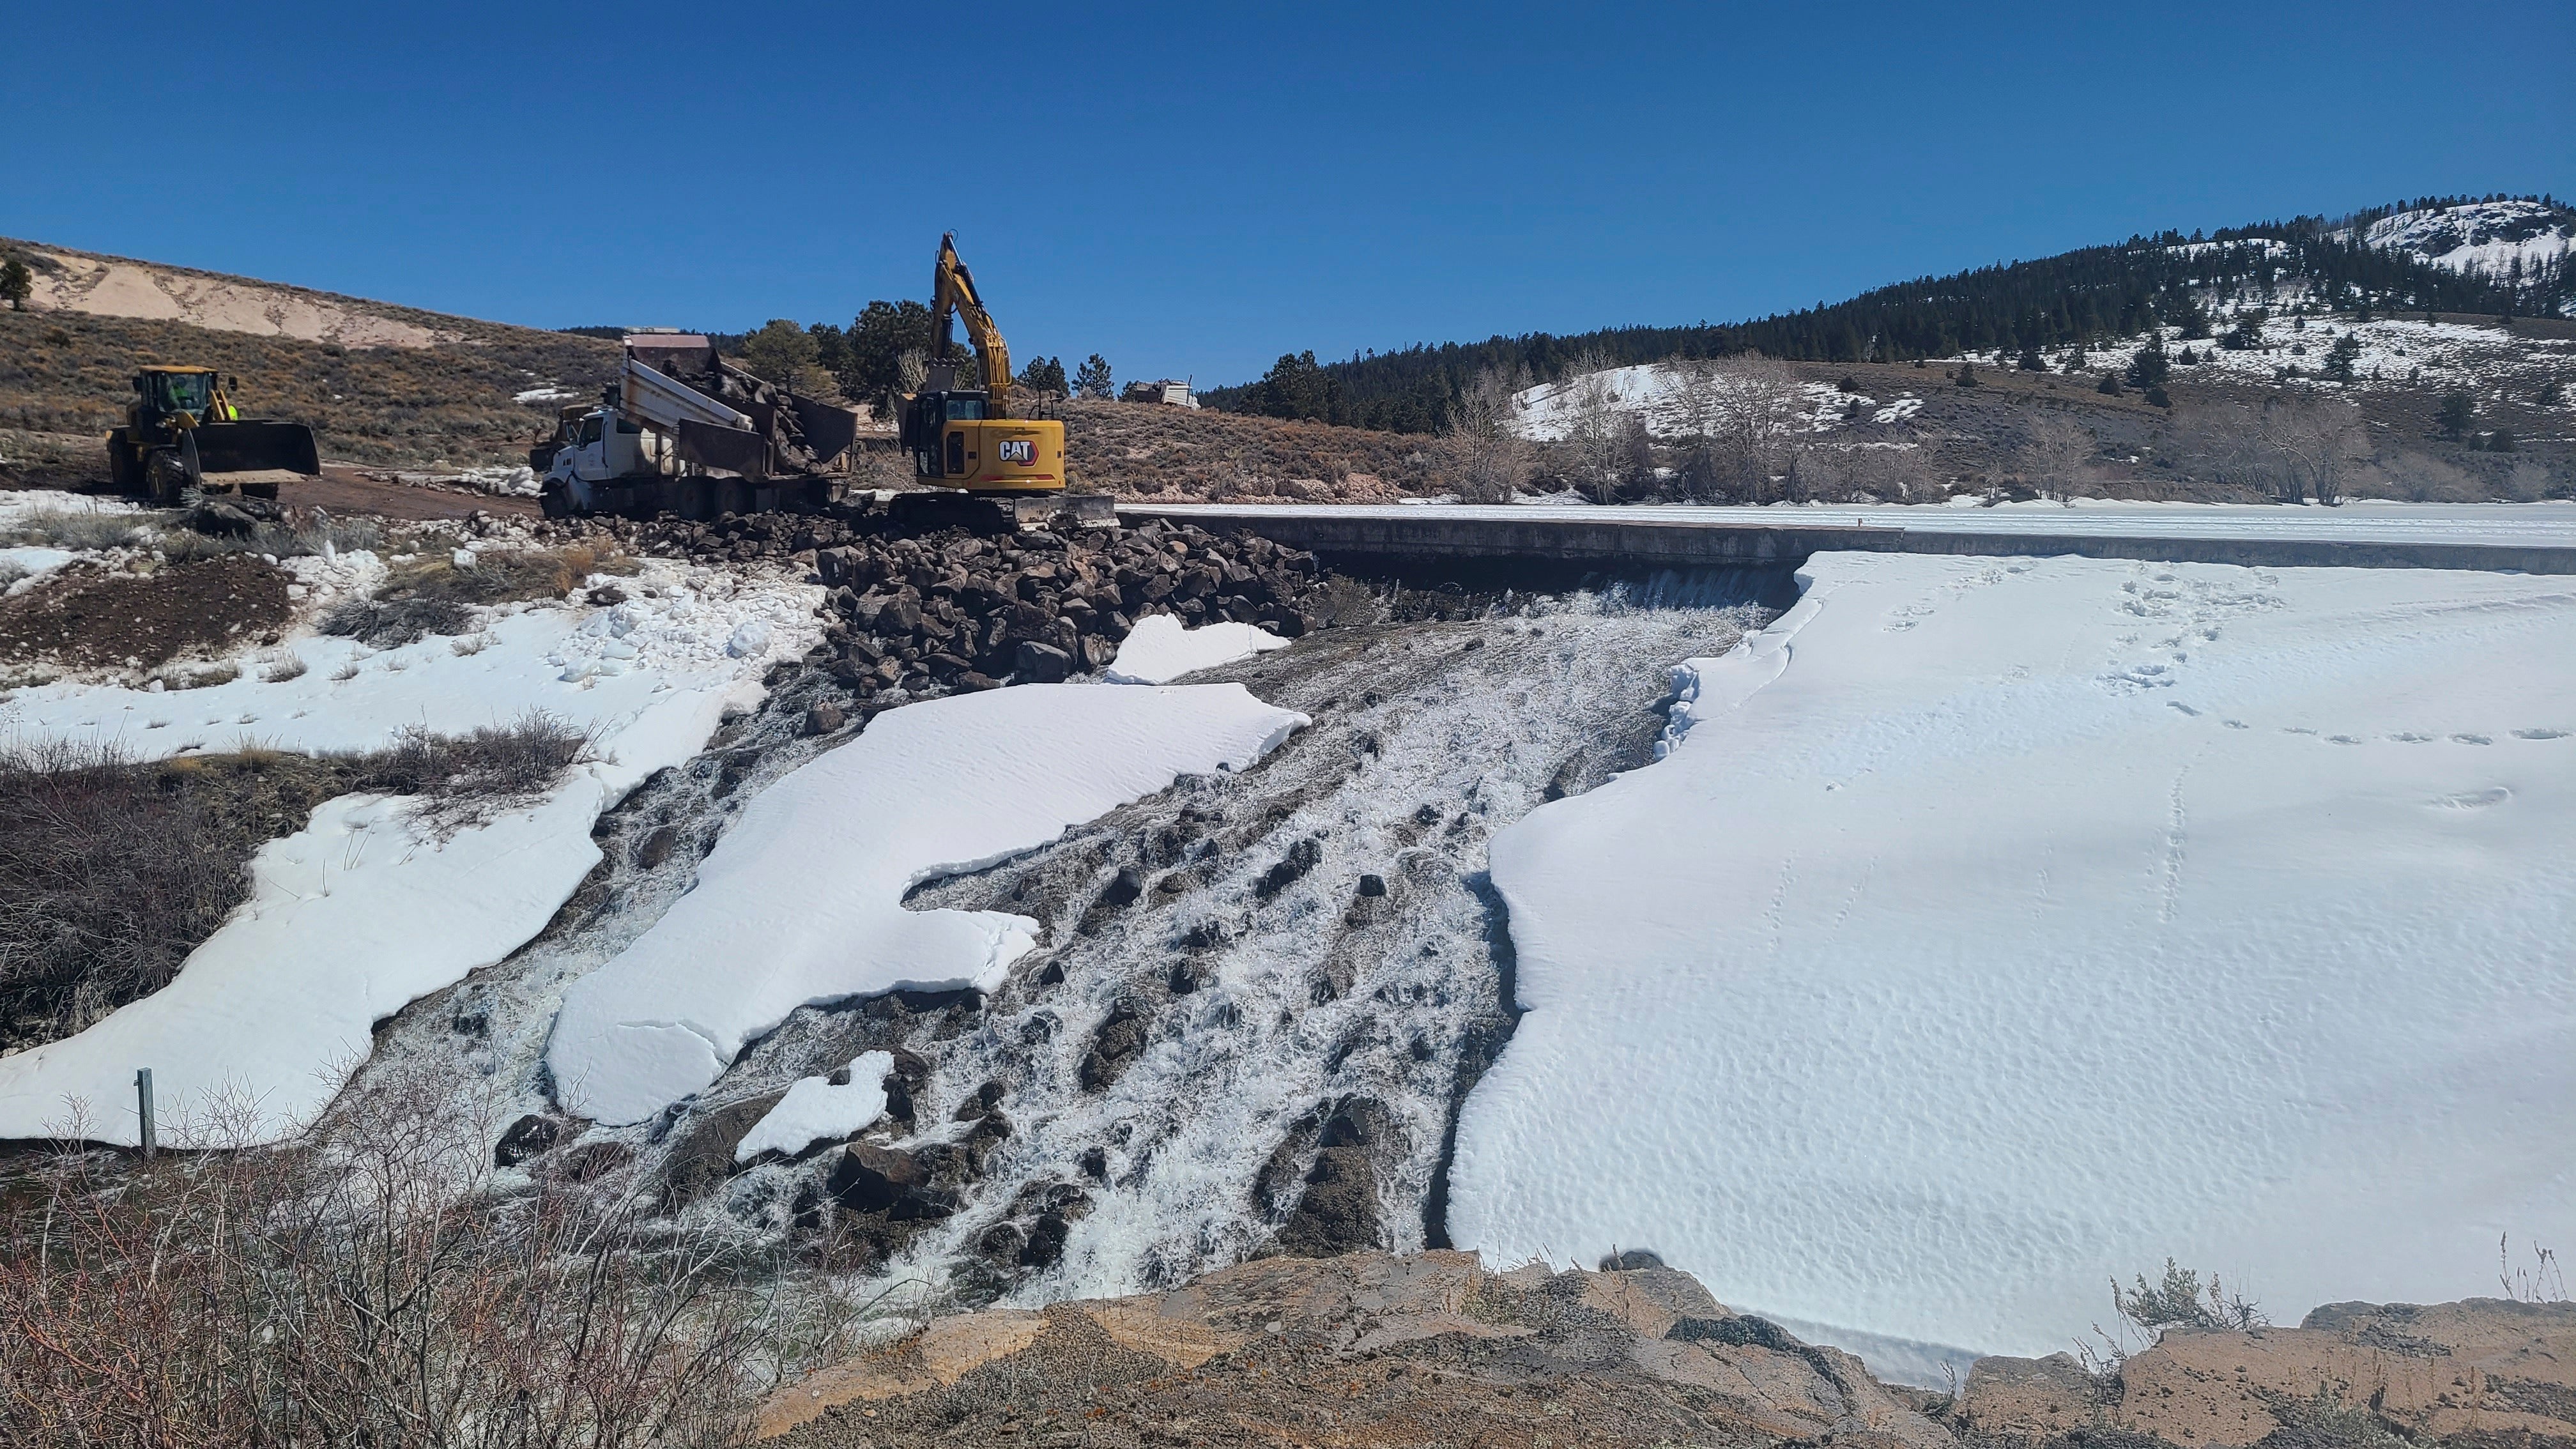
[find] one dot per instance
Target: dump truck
(182, 432)
(969, 454)
(683, 431)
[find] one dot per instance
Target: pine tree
(2156, 398)
(2455, 415)
(1092, 378)
(2109, 386)
(2150, 367)
(16, 284)
(2339, 361)
(783, 353)
(2031, 361)
(1044, 376)
(1967, 375)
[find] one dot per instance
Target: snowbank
(1999, 926)
(802, 901)
(816, 1111)
(1159, 650)
(640, 674)
(348, 919)
(356, 915)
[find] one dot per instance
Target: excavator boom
(952, 292)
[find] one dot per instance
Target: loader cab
(162, 392)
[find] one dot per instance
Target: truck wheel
(554, 500)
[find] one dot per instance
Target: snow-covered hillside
(2489, 238)
(1999, 926)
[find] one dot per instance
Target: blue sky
(1194, 190)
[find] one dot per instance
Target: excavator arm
(952, 292)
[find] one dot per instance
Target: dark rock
(701, 1151)
(978, 1103)
(1094, 1163)
(1045, 1243)
(1120, 1040)
(590, 1161)
(871, 1179)
(824, 718)
(1124, 888)
(1371, 885)
(1301, 858)
(1041, 664)
(527, 1137)
(1632, 1260)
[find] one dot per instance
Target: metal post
(143, 1106)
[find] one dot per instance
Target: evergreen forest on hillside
(2076, 297)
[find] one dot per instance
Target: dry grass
(1148, 450)
(113, 870)
(433, 596)
(64, 373)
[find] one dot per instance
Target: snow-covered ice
(814, 1110)
(2543, 525)
(1998, 926)
(1159, 650)
(801, 902)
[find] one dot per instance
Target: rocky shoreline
(1375, 1349)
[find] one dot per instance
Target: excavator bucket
(253, 457)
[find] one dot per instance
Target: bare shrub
(290, 667)
(382, 623)
(372, 1285)
(2181, 1300)
(1490, 460)
(2055, 451)
(2293, 447)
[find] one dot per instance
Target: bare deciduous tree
(2055, 450)
(1489, 458)
(1597, 436)
(1742, 416)
(2295, 447)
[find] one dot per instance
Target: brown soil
(89, 615)
(1149, 450)
(344, 491)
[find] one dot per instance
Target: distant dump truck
(1172, 390)
(683, 431)
(183, 432)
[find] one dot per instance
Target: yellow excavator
(964, 439)
(182, 432)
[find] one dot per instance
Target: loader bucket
(255, 447)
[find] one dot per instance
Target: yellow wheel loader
(182, 432)
(964, 442)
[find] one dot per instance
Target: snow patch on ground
(2485, 237)
(814, 1110)
(1159, 649)
(1999, 926)
(801, 902)
(356, 914)
(348, 919)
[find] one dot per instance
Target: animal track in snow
(2540, 734)
(2475, 799)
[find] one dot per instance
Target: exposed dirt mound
(1363, 1350)
(1146, 450)
(91, 616)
